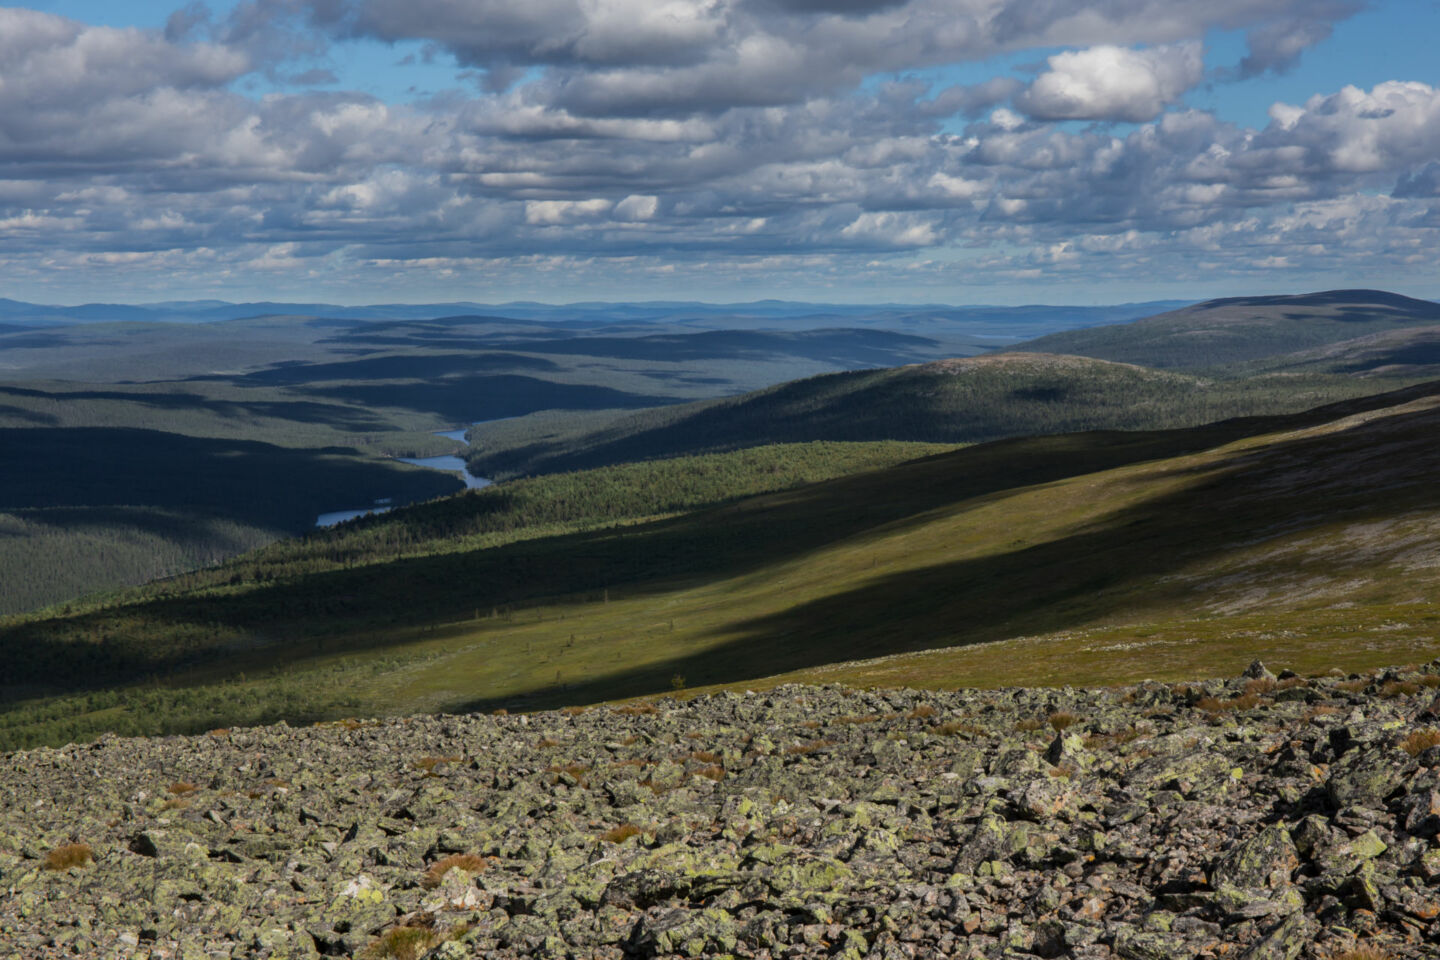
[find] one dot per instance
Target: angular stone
(1257, 671)
(1363, 778)
(1267, 859)
(1192, 774)
(1284, 941)
(1133, 944)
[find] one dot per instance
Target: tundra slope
(1261, 818)
(1243, 333)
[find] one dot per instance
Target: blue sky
(966, 151)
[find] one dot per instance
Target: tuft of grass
(69, 855)
(1430, 681)
(1213, 705)
(1030, 724)
(1352, 686)
(180, 788)
(703, 756)
(808, 747)
(1364, 952)
(1063, 719)
(921, 712)
(545, 743)
(712, 772)
(1258, 686)
(427, 765)
(575, 770)
(1420, 741)
(1400, 688)
(403, 943)
(468, 862)
(955, 728)
(643, 708)
(1114, 738)
(621, 833)
(573, 711)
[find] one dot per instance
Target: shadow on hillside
(838, 347)
(258, 484)
(1030, 588)
(488, 397)
(352, 419)
(1113, 565)
(406, 367)
(1418, 354)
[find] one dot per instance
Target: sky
(936, 151)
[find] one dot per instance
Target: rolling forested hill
(1091, 557)
(968, 400)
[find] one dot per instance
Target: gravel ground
(1259, 817)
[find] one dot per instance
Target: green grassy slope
(1243, 330)
(1096, 557)
(952, 401)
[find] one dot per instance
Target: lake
(449, 464)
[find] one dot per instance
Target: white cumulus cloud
(1114, 83)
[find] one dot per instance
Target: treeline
(966, 401)
(547, 506)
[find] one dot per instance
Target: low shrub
(403, 943)
(621, 833)
(468, 862)
(1420, 741)
(68, 856)
(1063, 719)
(1400, 688)
(1365, 952)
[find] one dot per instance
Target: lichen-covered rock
(803, 822)
(1265, 860)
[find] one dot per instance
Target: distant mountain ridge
(1245, 330)
(762, 313)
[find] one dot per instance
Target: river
(449, 464)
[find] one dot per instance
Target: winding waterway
(450, 464)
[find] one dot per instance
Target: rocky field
(1259, 817)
